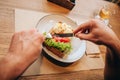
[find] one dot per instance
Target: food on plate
(60, 46)
(61, 28)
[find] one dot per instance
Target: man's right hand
(98, 32)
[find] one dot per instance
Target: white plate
(79, 46)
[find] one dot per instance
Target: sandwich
(60, 46)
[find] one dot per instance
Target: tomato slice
(61, 39)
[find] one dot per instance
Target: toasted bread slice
(55, 51)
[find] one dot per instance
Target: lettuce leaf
(63, 47)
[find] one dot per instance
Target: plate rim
(37, 26)
(51, 15)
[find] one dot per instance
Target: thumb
(83, 36)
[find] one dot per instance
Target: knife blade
(64, 34)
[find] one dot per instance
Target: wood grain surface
(6, 28)
(83, 7)
(80, 75)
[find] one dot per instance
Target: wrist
(13, 64)
(115, 42)
(9, 64)
(114, 46)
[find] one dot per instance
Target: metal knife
(64, 34)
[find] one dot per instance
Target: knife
(48, 35)
(64, 34)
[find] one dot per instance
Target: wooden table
(85, 8)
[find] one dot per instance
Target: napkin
(92, 48)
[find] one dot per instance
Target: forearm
(112, 64)
(114, 52)
(11, 67)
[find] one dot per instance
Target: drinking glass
(103, 14)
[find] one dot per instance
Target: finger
(28, 34)
(14, 40)
(83, 36)
(83, 27)
(38, 40)
(16, 37)
(32, 31)
(39, 37)
(22, 34)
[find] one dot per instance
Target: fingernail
(76, 35)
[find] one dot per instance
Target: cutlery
(64, 34)
(48, 35)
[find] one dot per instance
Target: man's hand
(26, 45)
(98, 32)
(24, 49)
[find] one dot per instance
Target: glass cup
(103, 14)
